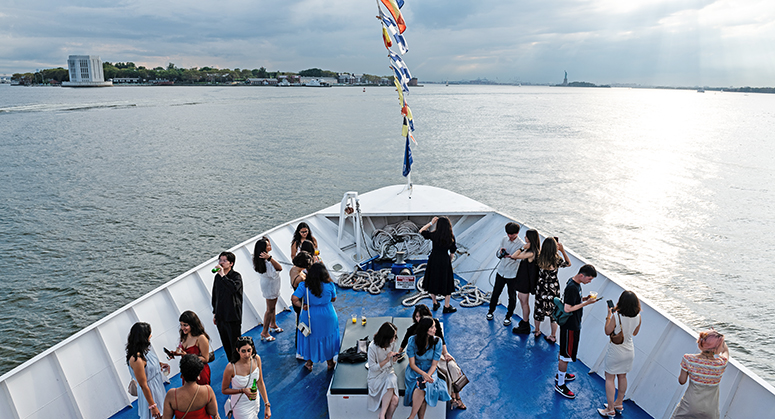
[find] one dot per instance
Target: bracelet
(151, 406)
(267, 404)
(270, 258)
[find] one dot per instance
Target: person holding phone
(146, 370)
(623, 318)
(382, 379)
(424, 352)
(268, 269)
(570, 331)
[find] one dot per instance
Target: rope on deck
(371, 280)
(402, 236)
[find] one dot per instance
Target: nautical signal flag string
(393, 27)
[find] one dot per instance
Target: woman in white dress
(382, 380)
(268, 274)
(238, 380)
(624, 318)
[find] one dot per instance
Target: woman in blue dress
(145, 368)
(423, 386)
(315, 296)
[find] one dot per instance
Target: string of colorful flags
(393, 27)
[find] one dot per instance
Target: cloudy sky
(649, 42)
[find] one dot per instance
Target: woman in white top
(238, 379)
(382, 380)
(269, 278)
(624, 318)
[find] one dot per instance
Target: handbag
(451, 373)
(617, 338)
(306, 330)
(363, 345)
(132, 388)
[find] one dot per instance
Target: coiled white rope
(403, 236)
(371, 280)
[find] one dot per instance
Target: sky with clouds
(647, 42)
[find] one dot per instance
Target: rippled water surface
(108, 193)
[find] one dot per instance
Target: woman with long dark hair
(238, 379)
(549, 263)
(382, 380)
(268, 274)
(146, 370)
(315, 297)
(439, 279)
(194, 340)
(624, 318)
(527, 277)
(302, 233)
(191, 400)
(423, 387)
(420, 311)
(298, 273)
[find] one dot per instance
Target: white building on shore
(85, 71)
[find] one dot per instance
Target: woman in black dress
(438, 274)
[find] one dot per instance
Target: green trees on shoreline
(194, 75)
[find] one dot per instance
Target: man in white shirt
(506, 272)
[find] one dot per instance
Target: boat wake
(65, 107)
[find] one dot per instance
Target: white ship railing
(85, 376)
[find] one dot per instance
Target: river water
(108, 193)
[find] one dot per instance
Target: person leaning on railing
(704, 371)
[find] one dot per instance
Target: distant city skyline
(644, 42)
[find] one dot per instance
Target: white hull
(85, 376)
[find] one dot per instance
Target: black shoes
(522, 329)
(436, 306)
(565, 391)
(449, 309)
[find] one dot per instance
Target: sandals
(537, 334)
(618, 409)
(459, 404)
(276, 329)
(308, 366)
(606, 414)
(550, 339)
(268, 338)
(331, 365)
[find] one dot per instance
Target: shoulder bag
(617, 338)
(227, 407)
(305, 329)
(132, 388)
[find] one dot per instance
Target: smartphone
(610, 304)
(420, 384)
(557, 239)
(169, 353)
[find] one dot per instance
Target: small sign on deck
(405, 282)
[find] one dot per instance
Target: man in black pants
(227, 303)
(570, 331)
(507, 272)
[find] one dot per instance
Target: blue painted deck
(510, 375)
